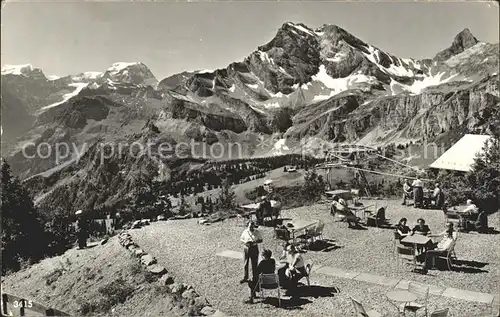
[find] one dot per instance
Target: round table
(401, 296)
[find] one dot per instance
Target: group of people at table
(471, 218)
(292, 267)
(290, 271)
(415, 191)
(428, 252)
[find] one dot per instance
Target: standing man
(81, 230)
(250, 237)
(418, 192)
(265, 207)
(407, 191)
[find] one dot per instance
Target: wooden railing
(11, 303)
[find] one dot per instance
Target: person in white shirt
(468, 215)
(442, 247)
(418, 192)
(470, 209)
(250, 237)
(296, 268)
(339, 206)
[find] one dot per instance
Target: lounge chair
(379, 219)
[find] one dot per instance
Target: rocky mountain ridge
(324, 84)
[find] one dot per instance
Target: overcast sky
(69, 38)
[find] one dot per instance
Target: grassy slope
(83, 273)
(281, 179)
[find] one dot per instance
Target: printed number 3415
(23, 303)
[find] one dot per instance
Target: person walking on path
(250, 237)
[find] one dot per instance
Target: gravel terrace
(188, 250)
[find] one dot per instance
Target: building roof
(460, 157)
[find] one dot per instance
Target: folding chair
(270, 282)
(422, 292)
(361, 312)
(395, 241)
(440, 313)
(452, 217)
(449, 256)
(406, 255)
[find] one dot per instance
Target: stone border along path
(188, 297)
(456, 293)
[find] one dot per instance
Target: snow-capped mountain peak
(130, 72)
(119, 66)
(17, 69)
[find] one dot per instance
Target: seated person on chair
(470, 212)
(266, 266)
(438, 196)
(265, 209)
(339, 206)
(470, 209)
(440, 248)
(481, 224)
(407, 191)
(296, 269)
(402, 229)
(421, 228)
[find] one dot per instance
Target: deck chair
(270, 282)
(318, 233)
(440, 313)
(422, 292)
(361, 312)
(379, 219)
(308, 237)
(337, 217)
